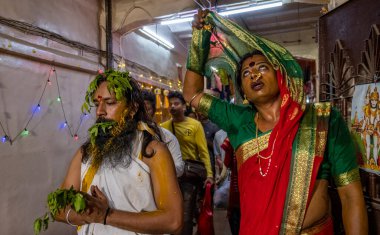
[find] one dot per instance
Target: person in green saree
(286, 150)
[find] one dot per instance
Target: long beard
(112, 146)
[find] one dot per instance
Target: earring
(245, 101)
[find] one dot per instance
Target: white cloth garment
(174, 149)
(219, 138)
(127, 188)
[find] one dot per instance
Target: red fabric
(230, 162)
(262, 198)
(328, 228)
(205, 219)
(325, 227)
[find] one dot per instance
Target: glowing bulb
(38, 107)
(63, 125)
(49, 82)
(59, 99)
(4, 138)
(76, 137)
(25, 132)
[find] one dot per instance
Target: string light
(25, 131)
(37, 108)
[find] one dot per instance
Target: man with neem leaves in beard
(124, 170)
(193, 144)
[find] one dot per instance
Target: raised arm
(198, 53)
(193, 88)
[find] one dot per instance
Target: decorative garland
(118, 82)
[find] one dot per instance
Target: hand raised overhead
(199, 19)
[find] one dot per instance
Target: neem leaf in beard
(104, 127)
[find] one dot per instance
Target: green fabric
(198, 51)
(340, 151)
(237, 121)
(229, 43)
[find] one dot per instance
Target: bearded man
(124, 170)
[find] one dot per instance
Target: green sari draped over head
(276, 202)
(226, 43)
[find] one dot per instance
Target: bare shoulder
(157, 148)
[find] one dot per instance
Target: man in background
(168, 137)
(193, 144)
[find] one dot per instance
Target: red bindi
(100, 97)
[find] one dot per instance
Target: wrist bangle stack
(67, 218)
(105, 216)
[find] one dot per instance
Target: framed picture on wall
(365, 125)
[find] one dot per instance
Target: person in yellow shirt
(193, 145)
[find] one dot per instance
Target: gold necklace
(258, 150)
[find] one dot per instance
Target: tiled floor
(221, 224)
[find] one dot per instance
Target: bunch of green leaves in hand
(59, 200)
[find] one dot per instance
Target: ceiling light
(251, 8)
(177, 21)
(156, 38)
(233, 10)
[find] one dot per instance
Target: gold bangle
(192, 98)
